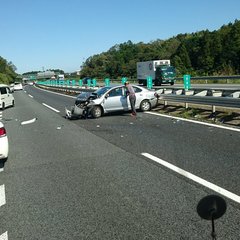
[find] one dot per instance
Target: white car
(4, 148)
(11, 86)
(112, 99)
(18, 86)
(6, 97)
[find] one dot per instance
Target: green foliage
(7, 71)
(199, 54)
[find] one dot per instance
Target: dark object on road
(210, 208)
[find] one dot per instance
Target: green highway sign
(187, 81)
(149, 82)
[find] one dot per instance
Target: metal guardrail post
(213, 109)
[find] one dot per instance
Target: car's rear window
(3, 90)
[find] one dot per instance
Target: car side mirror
(106, 96)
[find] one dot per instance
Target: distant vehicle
(18, 86)
(113, 99)
(4, 146)
(60, 77)
(6, 97)
(160, 71)
(11, 86)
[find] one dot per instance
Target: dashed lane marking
(2, 195)
(4, 236)
(55, 110)
(29, 121)
(30, 96)
(194, 178)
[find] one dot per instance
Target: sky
(37, 35)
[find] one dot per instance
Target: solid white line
(55, 110)
(4, 236)
(2, 195)
(1, 169)
(30, 96)
(195, 178)
(194, 121)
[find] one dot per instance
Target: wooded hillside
(199, 54)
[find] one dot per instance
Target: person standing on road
(132, 97)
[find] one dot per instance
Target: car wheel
(145, 105)
(96, 112)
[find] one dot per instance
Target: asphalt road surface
(115, 177)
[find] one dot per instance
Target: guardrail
(211, 98)
(213, 77)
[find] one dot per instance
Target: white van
(6, 97)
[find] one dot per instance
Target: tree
(7, 71)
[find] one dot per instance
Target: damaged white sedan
(112, 99)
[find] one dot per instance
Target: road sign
(94, 82)
(107, 82)
(187, 81)
(149, 82)
(124, 79)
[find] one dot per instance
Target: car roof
(4, 85)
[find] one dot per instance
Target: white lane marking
(30, 96)
(61, 94)
(194, 121)
(195, 178)
(50, 107)
(2, 195)
(1, 169)
(29, 121)
(4, 236)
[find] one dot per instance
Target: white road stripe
(195, 178)
(194, 121)
(4, 236)
(2, 195)
(29, 121)
(1, 169)
(61, 94)
(50, 107)
(30, 96)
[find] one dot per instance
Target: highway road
(115, 177)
